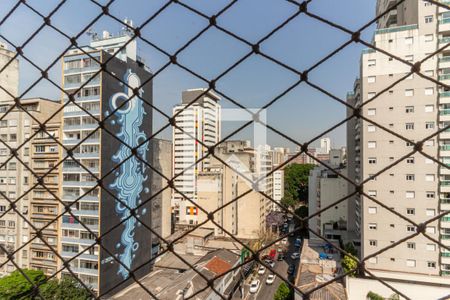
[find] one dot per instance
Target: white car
(270, 279)
(284, 241)
(254, 286)
(261, 270)
(295, 255)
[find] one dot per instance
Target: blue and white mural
(130, 178)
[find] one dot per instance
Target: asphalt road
(268, 291)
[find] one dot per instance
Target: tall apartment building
(18, 128)
(97, 153)
(220, 184)
(199, 121)
(414, 108)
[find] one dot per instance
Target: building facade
(103, 153)
(197, 119)
(414, 108)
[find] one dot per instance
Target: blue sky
(301, 114)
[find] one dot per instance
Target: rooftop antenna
(90, 32)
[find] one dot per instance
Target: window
(430, 229)
(411, 245)
(13, 137)
(430, 195)
(371, 144)
(410, 77)
(429, 73)
(373, 243)
(409, 58)
(373, 226)
(371, 95)
(430, 212)
(429, 108)
(371, 111)
(11, 224)
(12, 123)
(39, 149)
(429, 91)
(429, 177)
(372, 160)
(371, 128)
(373, 260)
(410, 228)
(428, 37)
(372, 210)
(372, 62)
(371, 79)
(410, 194)
(429, 125)
(429, 143)
(12, 166)
(410, 160)
(428, 161)
(372, 193)
(431, 247)
(410, 263)
(409, 126)
(410, 177)
(429, 19)
(409, 40)
(409, 92)
(431, 264)
(409, 109)
(410, 211)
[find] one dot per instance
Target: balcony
(396, 29)
(444, 77)
(444, 112)
(82, 256)
(94, 213)
(85, 271)
(79, 113)
(86, 242)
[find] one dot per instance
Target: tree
(374, 296)
(350, 248)
(17, 286)
(296, 183)
(283, 292)
(349, 263)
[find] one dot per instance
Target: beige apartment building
(221, 184)
(415, 108)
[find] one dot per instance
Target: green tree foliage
(350, 248)
(296, 183)
(18, 287)
(374, 296)
(283, 292)
(349, 263)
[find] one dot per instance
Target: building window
(371, 79)
(372, 62)
(372, 210)
(410, 211)
(429, 37)
(411, 245)
(372, 193)
(429, 19)
(409, 40)
(430, 212)
(371, 128)
(429, 73)
(410, 263)
(410, 228)
(430, 195)
(373, 260)
(429, 108)
(429, 91)
(409, 126)
(429, 177)
(409, 109)
(410, 177)
(410, 194)
(373, 226)
(429, 143)
(371, 144)
(371, 111)
(431, 264)
(430, 229)
(409, 92)
(410, 160)
(431, 247)
(371, 95)
(409, 58)
(373, 243)
(372, 160)
(429, 125)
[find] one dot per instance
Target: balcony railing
(444, 112)
(444, 147)
(396, 29)
(444, 77)
(444, 94)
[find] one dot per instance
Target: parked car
(291, 269)
(298, 242)
(270, 279)
(284, 241)
(254, 286)
(295, 255)
(270, 262)
(261, 270)
(280, 257)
